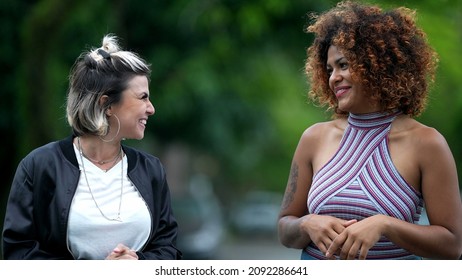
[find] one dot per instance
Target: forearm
(428, 241)
(291, 233)
(26, 250)
(163, 245)
(167, 252)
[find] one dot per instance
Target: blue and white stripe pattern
(361, 181)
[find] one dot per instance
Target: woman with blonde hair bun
(89, 196)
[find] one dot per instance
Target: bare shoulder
(421, 137)
(320, 141)
(418, 150)
(433, 143)
(324, 130)
(418, 132)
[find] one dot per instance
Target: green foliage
(224, 79)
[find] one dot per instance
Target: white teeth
(143, 122)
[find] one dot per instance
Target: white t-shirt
(90, 235)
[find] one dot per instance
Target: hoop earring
(118, 130)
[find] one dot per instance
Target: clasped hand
(122, 252)
(343, 239)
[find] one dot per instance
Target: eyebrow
(336, 61)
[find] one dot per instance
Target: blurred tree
(229, 81)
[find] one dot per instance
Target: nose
(335, 76)
(150, 108)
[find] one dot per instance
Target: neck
(98, 151)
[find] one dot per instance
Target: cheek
(330, 84)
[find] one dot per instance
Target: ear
(102, 102)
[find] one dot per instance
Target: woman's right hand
(122, 252)
(323, 229)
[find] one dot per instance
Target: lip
(143, 122)
(341, 90)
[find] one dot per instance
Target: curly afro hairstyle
(386, 52)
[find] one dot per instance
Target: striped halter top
(361, 181)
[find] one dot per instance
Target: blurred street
(256, 249)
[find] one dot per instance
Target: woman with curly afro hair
(359, 183)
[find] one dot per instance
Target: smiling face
(133, 110)
(350, 94)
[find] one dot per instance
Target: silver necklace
(101, 162)
(118, 219)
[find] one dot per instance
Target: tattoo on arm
(291, 187)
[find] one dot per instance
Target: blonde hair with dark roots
(97, 72)
(385, 50)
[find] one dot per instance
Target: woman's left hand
(122, 252)
(356, 240)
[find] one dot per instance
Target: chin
(135, 137)
(345, 107)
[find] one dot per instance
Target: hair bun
(110, 44)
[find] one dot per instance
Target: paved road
(256, 248)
